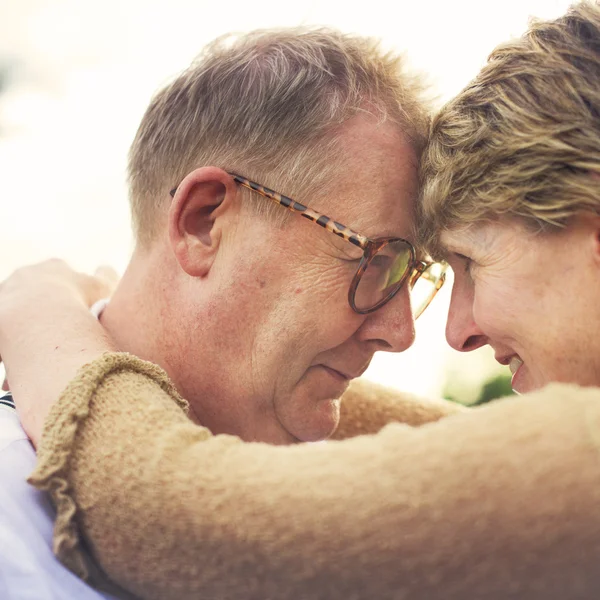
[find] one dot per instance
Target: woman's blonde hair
(268, 105)
(523, 138)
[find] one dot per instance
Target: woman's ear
(200, 198)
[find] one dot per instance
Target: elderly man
(260, 317)
(225, 280)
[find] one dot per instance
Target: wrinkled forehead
(374, 188)
(462, 235)
(479, 237)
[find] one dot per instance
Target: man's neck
(137, 316)
(130, 318)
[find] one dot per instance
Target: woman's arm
(501, 502)
(367, 407)
(47, 333)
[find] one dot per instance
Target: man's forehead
(377, 204)
(374, 215)
(399, 221)
(372, 180)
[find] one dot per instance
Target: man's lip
(344, 375)
(335, 372)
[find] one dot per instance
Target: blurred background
(76, 77)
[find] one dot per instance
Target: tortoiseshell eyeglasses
(385, 266)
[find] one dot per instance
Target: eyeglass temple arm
(308, 213)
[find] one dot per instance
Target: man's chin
(314, 422)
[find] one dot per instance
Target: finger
(107, 274)
(93, 288)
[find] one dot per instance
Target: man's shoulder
(28, 567)
(6, 400)
(10, 426)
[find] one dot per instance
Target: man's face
(532, 297)
(284, 342)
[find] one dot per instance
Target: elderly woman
(512, 198)
(499, 502)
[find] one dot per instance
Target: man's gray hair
(268, 105)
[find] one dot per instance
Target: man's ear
(200, 198)
(596, 242)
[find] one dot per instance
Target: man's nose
(392, 327)
(462, 332)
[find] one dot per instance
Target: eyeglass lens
(426, 287)
(385, 272)
(388, 270)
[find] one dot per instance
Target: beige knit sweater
(499, 502)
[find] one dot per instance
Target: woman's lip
(514, 363)
(515, 379)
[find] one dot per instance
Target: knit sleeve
(368, 407)
(499, 502)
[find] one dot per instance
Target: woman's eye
(466, 262)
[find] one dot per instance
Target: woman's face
(533, 297)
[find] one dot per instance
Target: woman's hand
(46, 331)
(31, 285)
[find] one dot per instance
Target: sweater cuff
(59, 438)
